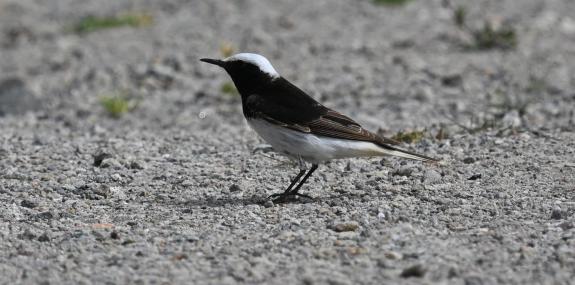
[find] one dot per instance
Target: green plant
(490, 38)
(408, 137)
(459, 16)
(117, 104)
(93, 23)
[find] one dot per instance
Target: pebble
(137, 165)
(468, 160)
(346, 227)
(99, 158)
(27, 234)
(474, 177)
(556, 213)
(566, 225)
(393, 255)
(432, 176)
(44, 237)
(381, 216)
(114, 235)
(45, 215)
(235, 188)
(403, 171)
(413, 271)
(28, 204)
(111, 163)
(116, 177)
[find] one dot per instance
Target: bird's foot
(286, 197)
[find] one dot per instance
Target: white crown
(257, 60)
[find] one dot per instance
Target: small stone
(98, 192)
(235, 188)
(403, 171)
(116, 177)
(136, 165)
(99, 158)
(114, 235)
(393, 255)
(346, 227)
(28, 204)
(566, 225)
(27, 234)
(468, 160)
(474, 177)
(269, 204)
(111, 163)
(452, 80)
(45, 215)
(413, 271)
(44, 237)
(432, 176)
(452, 272)
(556, 213)
(355, 250)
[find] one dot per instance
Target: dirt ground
(125, 160)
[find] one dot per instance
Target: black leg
(312, 169)
(292, 183)
(296, 179)
(291, 192)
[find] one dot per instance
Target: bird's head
(249, 71)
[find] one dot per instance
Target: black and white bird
(298, 126)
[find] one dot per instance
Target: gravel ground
(173, 191)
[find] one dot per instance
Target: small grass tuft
(229, 88)
(489, 38)
(408, 137)
(116, 105)
(459, 16)
(93, 23)
(391, 2)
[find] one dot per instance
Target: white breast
(311, 148)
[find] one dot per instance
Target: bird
(298, 126)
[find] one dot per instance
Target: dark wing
(283, 103)
(335, 125)
(286, 105)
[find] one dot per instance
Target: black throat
(248, 78)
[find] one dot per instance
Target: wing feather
(319, 120)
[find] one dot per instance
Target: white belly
(311, 148)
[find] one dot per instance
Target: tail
(391, 150)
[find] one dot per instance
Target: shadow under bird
(298, 126)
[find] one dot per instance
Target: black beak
(213, 61)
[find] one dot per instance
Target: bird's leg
(288, 192)
(309, 173)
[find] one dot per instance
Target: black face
(247, 77)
